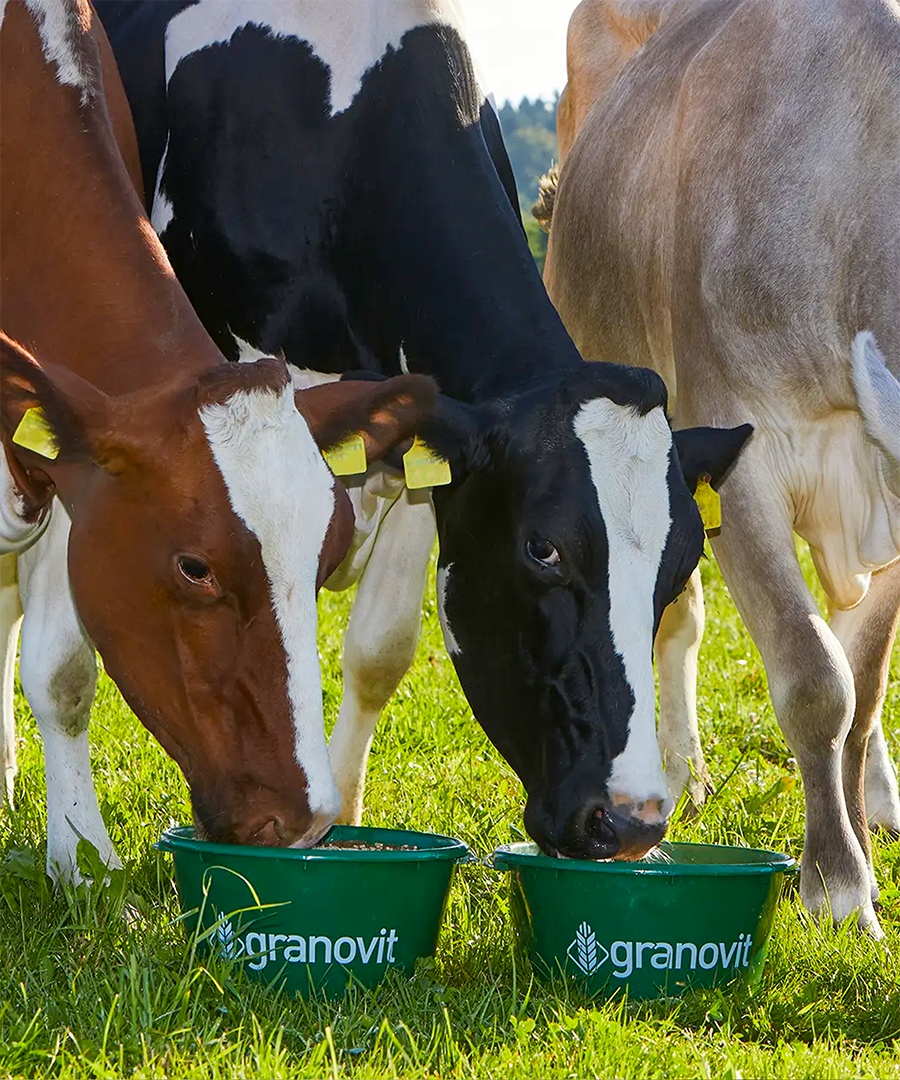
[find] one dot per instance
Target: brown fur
(121, 364)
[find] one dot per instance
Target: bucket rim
(760, 861)
(433, 846)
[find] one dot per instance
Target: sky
(521, 45)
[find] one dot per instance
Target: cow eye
(195, 570)
(542, 551)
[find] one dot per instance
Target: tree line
(529, 131)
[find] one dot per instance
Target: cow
(330, 181)
(203, 516)
(727, 211)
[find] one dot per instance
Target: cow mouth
(601, 835)
(593, 837)
(587, 836)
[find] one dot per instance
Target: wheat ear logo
(230, 945)
(585, 952)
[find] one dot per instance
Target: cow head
(570, 525)
(203, 519)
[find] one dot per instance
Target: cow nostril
(601, 834)
(267, 834)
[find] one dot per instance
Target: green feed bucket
(310, 920)
(688, 916)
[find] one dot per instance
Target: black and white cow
(330, 182)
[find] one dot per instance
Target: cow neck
(492, 330)
(85, 282)
(468, 301)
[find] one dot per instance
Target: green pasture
(99, 982)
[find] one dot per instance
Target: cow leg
(810, 681)
(59, 674)
(867, 633)
(380, 641)
(882, 792)
(677, 650)
(10, 617)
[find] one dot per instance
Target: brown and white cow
(728, 212)
(203, 516)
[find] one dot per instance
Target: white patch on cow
(62, 42)
(304, 378)
(281, 488)
(161, 212)
(443, 579)
(247, 353)
(348, 38)
(628, 455)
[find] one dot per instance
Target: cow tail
(542, 210)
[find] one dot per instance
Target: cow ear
(41, 423)
(707, 451)
(385, 413)
(52, 425)
(463, 434)
(49, 414)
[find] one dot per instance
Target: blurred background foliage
(529, 131)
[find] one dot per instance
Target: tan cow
(728, 212)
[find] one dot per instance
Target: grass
(89, 990)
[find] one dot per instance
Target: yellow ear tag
(34, 433)
(709, 504)
(348, 457)
(424, 468)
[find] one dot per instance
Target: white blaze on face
(443, 579)
(281, 488)
(628, 456)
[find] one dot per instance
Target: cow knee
(373, 669)
(60, 694)
(814, 696)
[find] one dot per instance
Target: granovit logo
(587, 954)
(259, 949)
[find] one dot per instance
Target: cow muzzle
(269, 823)
(606, 828)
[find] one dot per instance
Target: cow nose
(267, 833)
(615, 828)
(639, 824)
(271, 831)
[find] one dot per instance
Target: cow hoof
(888, 832)
(66, 869)
(842, 904)
(883, 806)
(872, 926)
